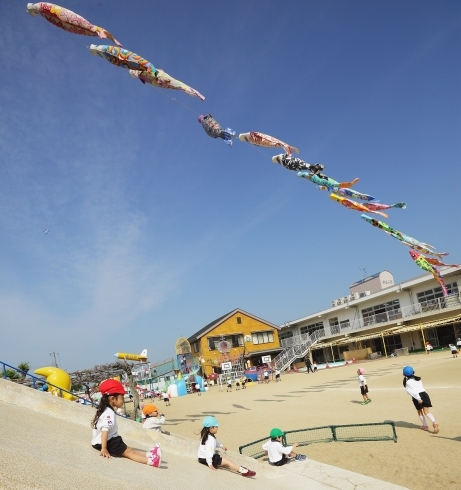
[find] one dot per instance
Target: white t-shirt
(277, 372)
(275, 450)
(207, 450)
(107, 422)
(266, 374)
(154, 423)
(459, 342)
(362, 379)
(414, 388)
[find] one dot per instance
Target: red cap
(111, 387)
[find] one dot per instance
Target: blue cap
(210, 422)
(408, 371)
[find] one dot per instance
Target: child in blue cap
(414, 387)
(207, 452)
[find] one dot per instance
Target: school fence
(383, 431)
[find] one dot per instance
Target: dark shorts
(283, 461)
(364, 390)
(426, 401)
(216, 461)
(115, 446)
(277, 376)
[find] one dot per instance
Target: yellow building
(248, 335)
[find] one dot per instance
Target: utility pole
(53, 356)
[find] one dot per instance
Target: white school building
(380, 315)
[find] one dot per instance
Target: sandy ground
(419, 459)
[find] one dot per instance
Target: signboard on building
(266, 359)
(226, 366)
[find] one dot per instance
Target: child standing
(453, 349)
(154, 420)
(105, 429)
(197, 389)
(266, 376)
(207, 454)
(414, 387)
(277, 375)
(166, 399)
(278, 454)
(458, 344)
(229, 384)
(363, 386)
(244, 382)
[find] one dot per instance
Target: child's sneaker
(424, 427)
(300, 457)
(155, 456)
(369, 400)
(249, 473)
(436, 428)
(363, 403)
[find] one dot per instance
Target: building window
(286, 335)
(384, 312)
(344, 324)
(235, 341)
(393, 342)
(334, 325)
(195, 344)
(239, 320)
(428, 299)
(312, 328)
(263, 338)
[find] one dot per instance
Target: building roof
(207, 328)
(366, 279)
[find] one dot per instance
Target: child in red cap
(105, 429)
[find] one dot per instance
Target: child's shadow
(406, 425)
(356, 401)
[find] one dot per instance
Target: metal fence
(382, 431)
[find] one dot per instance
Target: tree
(90, 379)
(24, 366)
(12, 374)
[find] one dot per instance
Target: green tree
(24, 366)
(12, 374)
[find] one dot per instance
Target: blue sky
(155, 228)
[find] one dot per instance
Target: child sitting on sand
(278, 454)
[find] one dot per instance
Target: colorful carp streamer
(327, 182)
(123, 58)
(68, 20)
(367, 207)
(260, 139)
(405, 239)
(422, 262)
(214, 129)
(161, 79)
(293, 163)
(147, 73)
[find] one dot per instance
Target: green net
(383, 431)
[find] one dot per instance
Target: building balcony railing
(419, 310)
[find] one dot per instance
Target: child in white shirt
(414, 387)
(207, 454)
(453, 349)
(278, 454)
(363, 386)
(105, 429)
(154, 420)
